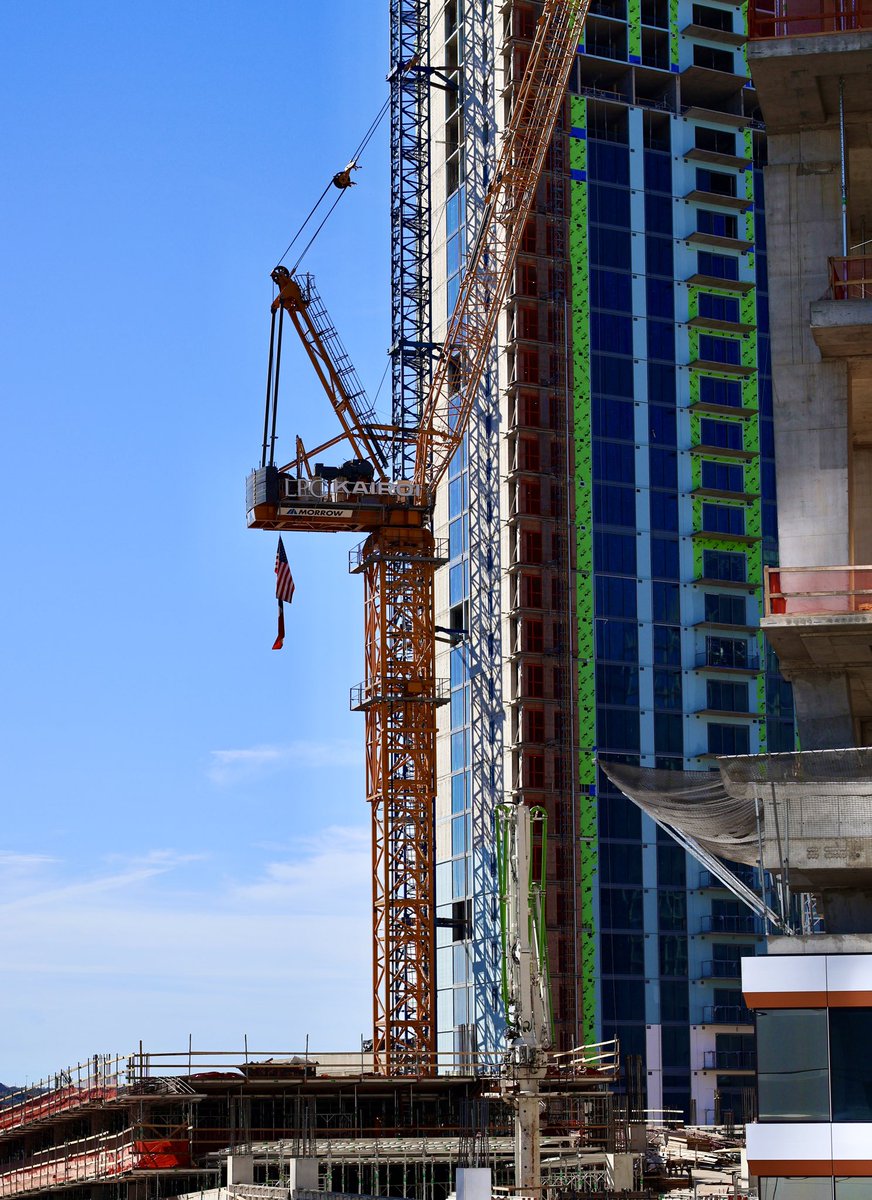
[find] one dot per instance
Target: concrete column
(823, 710)
(303, 1174)
(240, 1168)
(473, 1183)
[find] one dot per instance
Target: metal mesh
(815, 809)
(813, 801)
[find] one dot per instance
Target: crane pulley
(398, 560)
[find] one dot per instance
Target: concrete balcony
(798, 50)
(818, 621)
(841, 323)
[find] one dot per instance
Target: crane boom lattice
(398, 560)
(485, 282)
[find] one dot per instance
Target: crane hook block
(342, 179)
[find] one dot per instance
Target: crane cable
(353, 165)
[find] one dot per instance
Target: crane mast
(398, 559)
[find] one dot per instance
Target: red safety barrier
(851, 277)
(817, 591)
(801, 18)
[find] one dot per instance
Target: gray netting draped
(695, 802)
(806, 800)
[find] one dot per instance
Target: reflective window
(667, 695)
(661, 298)
(668, 735)
(617, 640)
(665, 599)
(727, 434)
(661, 426)
(672, 910)
(620, 863)
(719, 266)
(611, 376)
(664, 558)
(725, 610)
(852, 1189)
(617, 685)
(728, 739)
(667, 646)
(798, 1189)
(621, 908)
(624, 955)
(615, 597)
(609, 205)
(664, 467)
(615, 463)
(851, 1065)
(674, 1004)
(617, 728)
(721, 518)
(664, 511)
(724, 564)
(720, 391)
(718, 308)
(726, 696)
(792, 1079)
(719, 349)
(614, 505)
(719, 224)
(612, 418)
(615, 553)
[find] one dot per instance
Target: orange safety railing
(851, 277)
(100, 1080)
(99, 1158)
(800, 18)
(817, 591)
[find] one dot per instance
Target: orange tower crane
(398, 559)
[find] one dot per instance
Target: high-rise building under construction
(609, 517)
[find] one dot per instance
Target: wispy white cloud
(129, 872)
(228, 767)
(146, 948)
(10, 861)
(328, 873)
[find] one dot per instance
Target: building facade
(813, 995)
(609, 524)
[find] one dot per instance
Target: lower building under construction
(148, 1126)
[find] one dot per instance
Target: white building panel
(790, 1143)
(852, 1142)
(849, 972)
(801, 973)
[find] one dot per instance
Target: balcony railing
(851, 277)
(726, 923)
(729, 659)
(748, 876)
(729, 1060)
(817, 591)
(727, 1014)
(800, 18)
(721, 968)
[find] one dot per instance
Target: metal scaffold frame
(411, 323)
(399, 696)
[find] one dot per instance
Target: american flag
(284, 591)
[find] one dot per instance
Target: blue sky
(184, 846)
